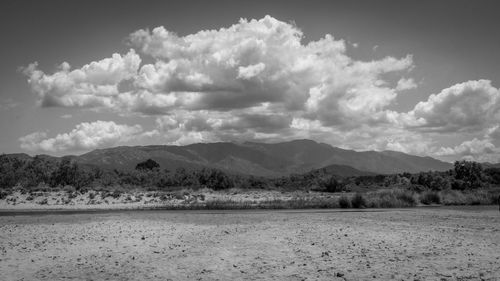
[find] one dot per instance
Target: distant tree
(332, 185)
(147, 165)
(493, 175)
(469, 172)
(65, 173)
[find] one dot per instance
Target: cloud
(7, 104)
(468, 106)
(247, 72)
(259, 80)
(406, 84)
(84, 136)
(475, 149)
(246, 65)
(93, 85)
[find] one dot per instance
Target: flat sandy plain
(441, 243)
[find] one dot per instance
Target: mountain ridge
(261, 159)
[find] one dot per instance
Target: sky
(420, 77)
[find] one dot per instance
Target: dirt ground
(459, 243)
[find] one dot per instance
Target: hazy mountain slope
(262, 159)
(306, 154)
(341, 170)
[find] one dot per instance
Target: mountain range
(263, 159)
(260, 159)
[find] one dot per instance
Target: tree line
(39, 171)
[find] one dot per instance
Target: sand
(459, 243)
(145, 199)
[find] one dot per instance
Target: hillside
(259, 159)
(262, 159)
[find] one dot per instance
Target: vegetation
(467, 183)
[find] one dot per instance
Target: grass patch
(392, 198)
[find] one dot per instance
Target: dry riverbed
(443, 243)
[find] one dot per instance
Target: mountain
(340, 170)
(262, 159)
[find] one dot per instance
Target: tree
(147, 165)
(469, 172)
(332, 185)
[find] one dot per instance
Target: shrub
(430, 197)
(4, 194)
(344, 202)
(358, 201)
(392, 199)
(69, 188)
(147, 165)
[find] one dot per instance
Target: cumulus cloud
(259, 80)
(84, 136)
(475, 149)
(406, 84)
(93, 85)
(468, 106)
(248, 64)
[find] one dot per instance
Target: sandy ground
(144, 200)
(460, 243)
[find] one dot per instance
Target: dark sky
(450, 41)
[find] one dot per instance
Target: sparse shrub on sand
(476, 197)
(344, 202)
(69, 188)
(393, 198)
(4, 193)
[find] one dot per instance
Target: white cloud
(468, 106)
(92, 85)
(475, 149)
(247, 72)
(248, 64)
(84, 136)
(406, 84)
(258, 80)
(7, 104)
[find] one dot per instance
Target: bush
(344, 202)
(147, 165)
(4, 194)
(430, 197)
(392, 199)
(358, 201)
(69, 188)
